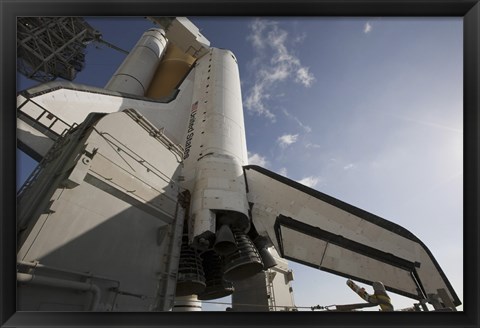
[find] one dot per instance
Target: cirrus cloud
(367, 28)
(274, 63)
(257, 159)
(287, 139)
(310, 181)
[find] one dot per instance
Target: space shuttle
(144, 194)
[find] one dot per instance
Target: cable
(110, 45)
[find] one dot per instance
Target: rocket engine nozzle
(267, 258)
(244, 262)
(225, 241)
(217, 287)
(191, 277)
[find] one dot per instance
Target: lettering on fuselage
(190, 131)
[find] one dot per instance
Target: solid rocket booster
(215, 150)
(137, 70)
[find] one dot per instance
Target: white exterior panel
(185, 35)
(317, 230)
(135, 73)
(105, 204)
(215, 145)
(60, 105)
(36, 142)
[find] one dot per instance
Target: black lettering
(190, 131)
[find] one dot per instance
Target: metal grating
(51, 47)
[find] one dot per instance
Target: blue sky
(367, 110)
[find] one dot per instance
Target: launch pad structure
(52, 47)
(144, 200)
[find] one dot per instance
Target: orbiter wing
(311, 228)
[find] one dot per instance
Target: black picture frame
(468, 9)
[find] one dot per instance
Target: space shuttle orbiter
(144, 193)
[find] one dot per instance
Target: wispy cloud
(296, 119)
(310, 181)
(287, 139)
(426, 123)
(257, 159)
(304, 76)
(274, 63)
(367, 28)
(255, 101)
(349, 166)
(283, 171)
(312, 145)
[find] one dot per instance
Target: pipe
(60, 283)
(37, 265)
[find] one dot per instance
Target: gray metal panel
(302, 223)
(251, 294)
(102, 204)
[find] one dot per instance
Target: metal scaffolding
(51, 47)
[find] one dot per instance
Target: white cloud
(257, 159)
(367, 28)
(275, 74)
(257, 27)
(424, 122)
(287, 139)
(304, 76)
(349, 166)
(254, 101)
(283, 171)
(310, 181)
(274, 63)
(312, 145)
(304, 126)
